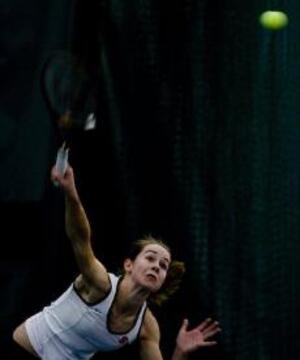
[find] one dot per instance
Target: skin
(142, 276)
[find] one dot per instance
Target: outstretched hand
(190, 340)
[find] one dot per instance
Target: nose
(155, 267)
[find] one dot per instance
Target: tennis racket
(69, 99)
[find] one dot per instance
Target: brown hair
(174, 275)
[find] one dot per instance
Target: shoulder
(150, 338)
(150, 327)
(94, 292)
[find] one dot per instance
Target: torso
(80, 323)
(120, 323)
(117, 321)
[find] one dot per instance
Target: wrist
(72, 198)
(179, 354)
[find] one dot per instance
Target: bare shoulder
(97, 275)
(20, 336)
(150, 328)
(93, 284)
(149, 338)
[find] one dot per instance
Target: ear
(127, 265)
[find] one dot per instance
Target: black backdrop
(197, 141)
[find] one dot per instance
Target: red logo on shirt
(123, 340)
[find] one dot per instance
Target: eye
(150, 258)
(164, 265)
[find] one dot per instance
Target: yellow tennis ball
(273, 20)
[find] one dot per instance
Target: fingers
(62, 180)
(204, 324)
(55, 174)
(209, 328)
(185, 324)
(211, 333)
(209, 343)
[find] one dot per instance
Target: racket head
(67, 93)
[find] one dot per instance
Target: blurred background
(197, 139)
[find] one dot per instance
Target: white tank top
(83, 328)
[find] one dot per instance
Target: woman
(104, 312)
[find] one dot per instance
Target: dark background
(197, 142)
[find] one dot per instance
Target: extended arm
(79, 231)
(150, 338)
(187, 340)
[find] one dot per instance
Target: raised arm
(79, 231)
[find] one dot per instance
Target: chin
(152, 288)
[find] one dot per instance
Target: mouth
(151, 277)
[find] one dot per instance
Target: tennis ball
(273, 20)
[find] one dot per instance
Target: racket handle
(61, 162)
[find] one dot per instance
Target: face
(150, 267)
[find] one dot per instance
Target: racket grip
(61, 162)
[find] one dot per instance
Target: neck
(130, 297)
